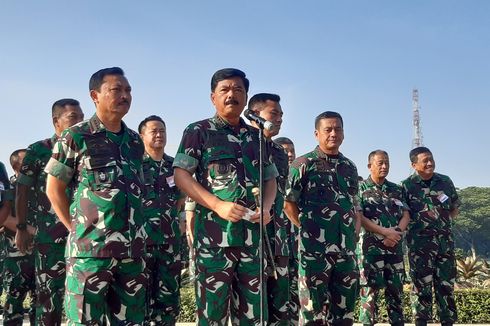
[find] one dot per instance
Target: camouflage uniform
(163, 263)
(431, 245)
(325, 191)
(278, 232)
(293, 274)
(19, 277)
(106, 245)
(50, 239)
(5, 195)
(381, 266)
(225, 162)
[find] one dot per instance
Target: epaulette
(299, 161)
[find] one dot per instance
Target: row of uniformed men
(98, 161)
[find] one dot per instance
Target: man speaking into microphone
(223, 153)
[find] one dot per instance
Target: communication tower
(417, 131)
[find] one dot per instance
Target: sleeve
(295, 184)
(5, 191)
(190, 150)
(455, 201)
(62, 164)
(29, 169)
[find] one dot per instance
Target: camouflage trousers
(327, 288)
(163, 266)
(278, 293)
(433, 270)
(50, 283)
(224, 275)
(18, 281)
(100, 289)
(293, 290)
(378, 272)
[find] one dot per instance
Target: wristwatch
(21, 226)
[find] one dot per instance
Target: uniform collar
(97, 126)
(418, 179)
(221, 123)
(322, 155)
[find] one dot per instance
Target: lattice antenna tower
(417, 130)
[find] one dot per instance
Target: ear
(413, 165)
(213, 96)
(369, 166)
(55, 122)
(94, 96)
(316, 134)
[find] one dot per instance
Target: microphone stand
(261, 222)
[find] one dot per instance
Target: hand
(389, 243)
(23, 240)
(230, 211)
(256, 217)
(392, 235)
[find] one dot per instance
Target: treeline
(472, 226)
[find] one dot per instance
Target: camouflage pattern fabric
(19, 280)
(225, 161)
(225, 274)
(293, 275)
(325, 188)
(121, 281)
(327, 288)
(4, 196)
(278, 233)
(50, 267)
(105, 170)
(163, 266)
(431, 245)
(381, 266)
(49, 227)
(378, 272)
(163, 240)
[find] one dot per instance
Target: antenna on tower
(417, 131)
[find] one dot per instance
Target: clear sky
(360, 58)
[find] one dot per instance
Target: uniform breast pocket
(102, 177)
(222, 174)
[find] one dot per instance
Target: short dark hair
(283, 141)
(416, 151)
(328, 115)
(97, 78)
(257, 101)
(375, 152)
(59, 106)
(14, 157)
(228, 73)
(147, 119)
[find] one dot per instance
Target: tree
(472, 225)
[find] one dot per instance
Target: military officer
(433, 203)
(162, 203)
(101, 159)
(322, 200)
(385, 217)
(222, 152)
(32, 204)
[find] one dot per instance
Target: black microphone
(264, 124)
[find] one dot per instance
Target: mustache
(231, 101)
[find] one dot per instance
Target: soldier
(288, 146)
(433, 203)
(101, 158)
(19, 276)
(162, 204)
(385, 217)
(223, 153)
(5, 205)
(322, 200)
(33, 205)
(267, 107)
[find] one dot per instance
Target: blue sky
(360, 58)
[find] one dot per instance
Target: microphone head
(268, 125)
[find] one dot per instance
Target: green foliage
(473, 272)
(473, 307)
(472, 227)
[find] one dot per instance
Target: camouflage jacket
(49, 227)
(105, 171)
(225, 163)
(430, 203)
(279, 229)
(159, 204)
(325, 188)
(384, 206)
